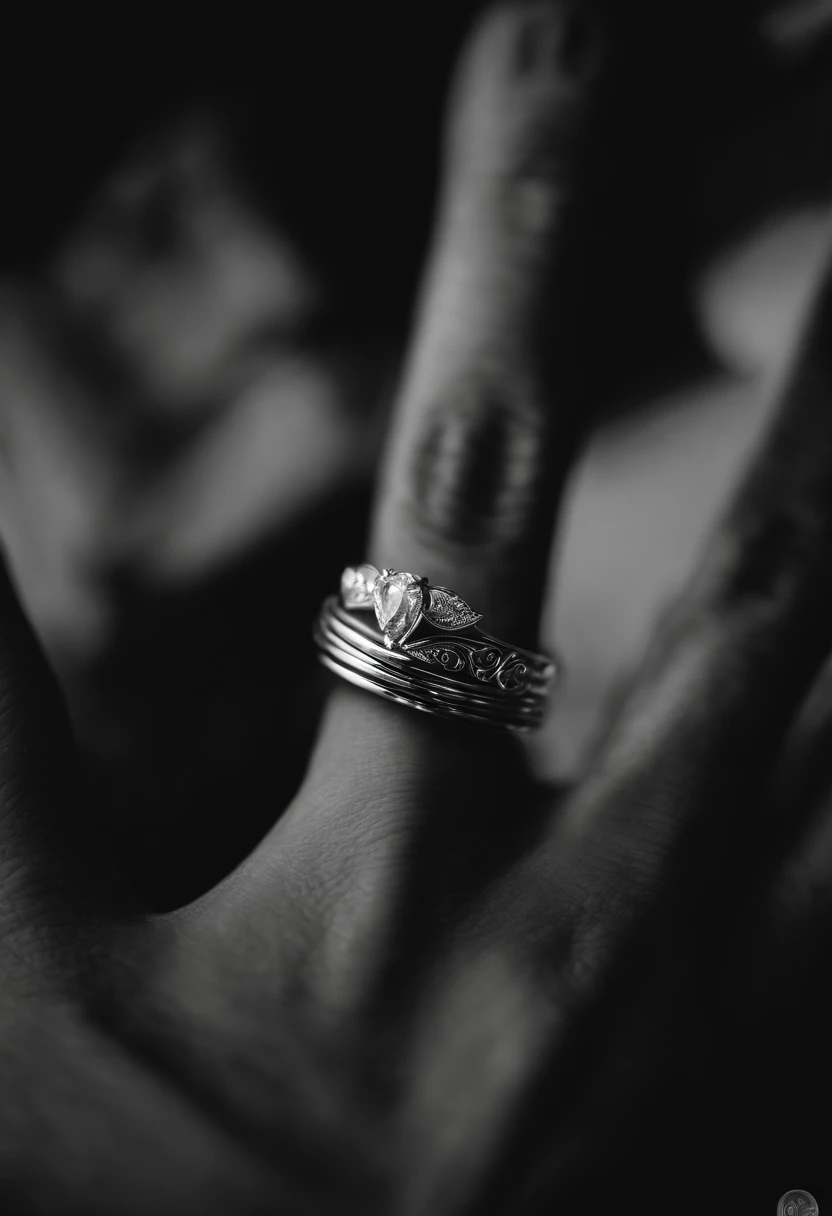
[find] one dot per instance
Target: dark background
(196, 700)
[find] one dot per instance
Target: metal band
(421, 647)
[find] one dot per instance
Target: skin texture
(435, 986)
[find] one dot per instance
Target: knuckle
(474, 471)
(532, 204)
(523, 185)
(521, 112)
(767, 564)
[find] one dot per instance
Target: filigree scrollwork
(487, 662)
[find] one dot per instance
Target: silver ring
(397, 636)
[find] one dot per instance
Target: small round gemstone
(357, 583)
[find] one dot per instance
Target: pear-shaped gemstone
(397, 598)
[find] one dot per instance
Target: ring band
(420, 645)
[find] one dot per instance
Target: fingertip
(517, 107)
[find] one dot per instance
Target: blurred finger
(488, 412)
(493, 395)
(492, 399)
(670, 789)
(50, 868)
(486, 422)
(796, 861)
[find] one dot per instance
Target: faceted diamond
(357, 583)
(398, 603)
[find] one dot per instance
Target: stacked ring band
(395, 635)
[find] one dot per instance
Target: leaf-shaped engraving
(449, 611)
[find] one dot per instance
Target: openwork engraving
(447, 610)
(487, 663)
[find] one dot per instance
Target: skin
(435, 986)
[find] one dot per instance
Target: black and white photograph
(416, 608)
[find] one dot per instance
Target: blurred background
(213, 223)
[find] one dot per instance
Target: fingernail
(560, 39)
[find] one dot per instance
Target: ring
(396, 635)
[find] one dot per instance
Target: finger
(487, 416)
(492, 396)
(796, 853)
(50, 868)
(483, 430)
(676, 787)
(490, 406)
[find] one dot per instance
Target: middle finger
(485, 428)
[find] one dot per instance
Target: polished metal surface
(395, 635)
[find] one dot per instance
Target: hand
(435, 986)
(243, 342)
